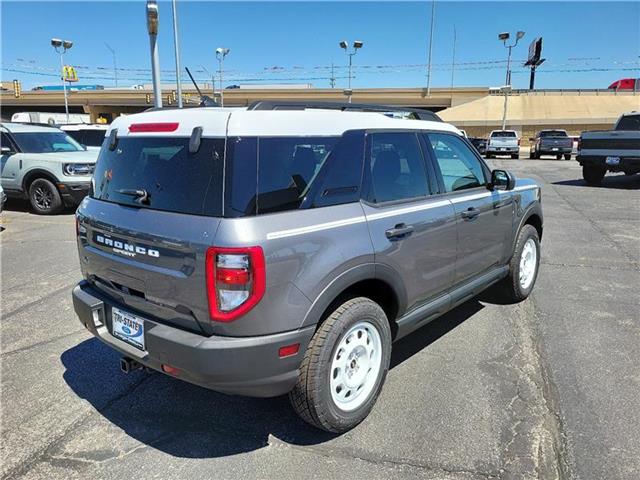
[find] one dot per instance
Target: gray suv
(270, 252)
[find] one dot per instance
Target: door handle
(470, 213)
(400, 230)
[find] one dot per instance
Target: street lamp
(220, 54)
(61, 47)
(152, 29)
(503, 37)
(176, 47)
(345, 46)
(506, 89)
(115, 68)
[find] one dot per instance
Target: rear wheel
(523, 268)
(488, 155)
(44, 197)
(558, 157)
(515, 157)
(344, 367)
(567, 156)
(593, 175)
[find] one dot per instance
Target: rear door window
(160, 174)
(503, 134)
(396, 167)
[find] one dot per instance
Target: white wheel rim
(528, 263)
(355, 366)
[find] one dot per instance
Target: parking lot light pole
(176, 46)
(61, 47)
(504, 36)
(506, 89)
(220, 54)
(115, 67)
(356, 46)
(152, 28)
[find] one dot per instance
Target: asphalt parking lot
(544, 389)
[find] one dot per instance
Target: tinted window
(173, 179)
(46, 142)
(553, 133)
(286, 167)
(629, 122)
(459, 166)
(397, 167)
(503, 134)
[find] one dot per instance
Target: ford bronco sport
(45, 166)
(270, 252)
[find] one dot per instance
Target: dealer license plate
(128, 327)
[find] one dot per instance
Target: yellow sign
(69, 74)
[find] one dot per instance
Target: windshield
(553, 133)
(629, 122)
(46, 142)
(161, 174)
(503, 134)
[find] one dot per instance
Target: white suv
(44, 165)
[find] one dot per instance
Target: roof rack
(415, 113)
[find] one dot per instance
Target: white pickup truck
(503, 142)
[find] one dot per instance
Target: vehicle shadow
(20, 205)
(619, 182)
(184, 420)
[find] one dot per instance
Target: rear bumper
(627, 164)
(503, 150)
(235, 365)
(557, 151)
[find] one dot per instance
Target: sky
(586, 44)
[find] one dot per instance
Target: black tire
(567, 156)
(593, 175)
(311, 397)
(514, 289)
(515, 157)
(531, 155)
(44, 197)
(487, 155)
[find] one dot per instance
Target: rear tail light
(235, 281)
(153, 127)
(579, 144)
(519, 140)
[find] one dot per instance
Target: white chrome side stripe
(386, 214)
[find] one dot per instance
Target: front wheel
(515, 157)
(593, 175)
(567, 156)
(44, 197)
(344, 367)
(523, 268)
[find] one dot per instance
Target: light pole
(177, 51)
(220, 54)
(433, 16)
(61, 47)
(213, 80)
(504, 36)
(356, 46)
(152, 28)
(115, 68)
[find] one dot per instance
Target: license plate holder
(128, 327)
(612, 160)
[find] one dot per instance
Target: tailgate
(557, 142)
(150, 261)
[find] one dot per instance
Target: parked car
(270, 252)
(50, 118)
(480, 144)
(551, 142)
(503, 142)
(90, 135)
(3, 198)
(45, 166)
(616, 150)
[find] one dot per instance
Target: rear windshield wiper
(140, 195)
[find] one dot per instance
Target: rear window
(553, 133)
(161, 174)
(503, 134)
(629, 122)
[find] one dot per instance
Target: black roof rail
(417, 113)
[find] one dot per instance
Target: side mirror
(6, 151)
(502, 180)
